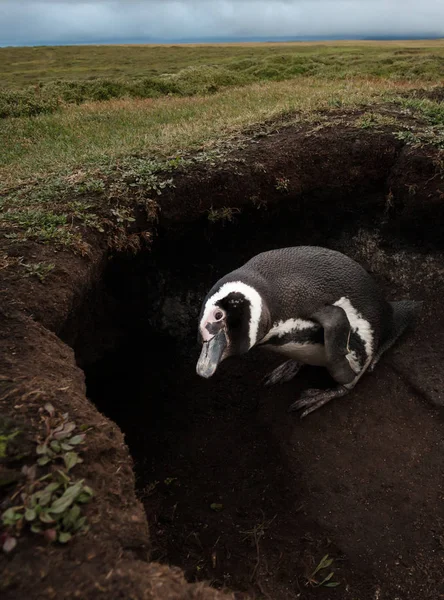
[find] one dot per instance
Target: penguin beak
(211, 355)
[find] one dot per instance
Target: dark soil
(360, 480)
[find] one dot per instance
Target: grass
(30, 66)
(87, 162)
(100, 132)
(43, 80)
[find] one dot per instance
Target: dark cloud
(70, 21)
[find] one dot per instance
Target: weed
(59, 441)
(5, 438)
(170, 480)
(282, 184)
(42, 225)
(433, 136)
(258, 202)
(256, 534)
(326, 581)
(150, 488)
(412, 189)
(49, 505)
(40, 270)
(222, 214)
(366, 121)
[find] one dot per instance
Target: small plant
(389, 202)
(406, 136)
(39, 270)
(59, 441)
(50, 505)
(412, 189)
(222, 214)
(367, 121)
(150, 488)
(122, 215)
(258, 202)
(5, 438)
(327, 580)
(170, 480)
(282, 184)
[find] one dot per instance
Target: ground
(360, 480)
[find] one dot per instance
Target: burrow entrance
(238, 492)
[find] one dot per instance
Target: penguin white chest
(297, 339)
(306, 353)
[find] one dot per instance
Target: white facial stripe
(250, 294)
(280, 328)
(358, 324)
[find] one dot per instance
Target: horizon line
(214, 40)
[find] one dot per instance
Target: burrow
(238, 492)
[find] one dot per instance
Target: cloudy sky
(80, 21)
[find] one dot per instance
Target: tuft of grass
(226, 213)
(431, 111)
(320, 577)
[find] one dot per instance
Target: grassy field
(44, 79)
(30, 66)
(85, 119)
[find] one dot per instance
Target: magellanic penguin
(312, 305)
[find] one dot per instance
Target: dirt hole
(236, 491)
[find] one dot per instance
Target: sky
(34, 22)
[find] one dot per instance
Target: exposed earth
(232, 489)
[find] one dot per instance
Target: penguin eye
(218, 315)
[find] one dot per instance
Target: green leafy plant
(325, 581)
(40, 270)
(49, 505)
(51, 509)
(226, 213)
(60, 442)
(4, 441)
(282, 184)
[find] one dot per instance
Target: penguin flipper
(337, 330)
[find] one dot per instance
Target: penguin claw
(313, 399)
(283, 373)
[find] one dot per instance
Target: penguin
(312, 305)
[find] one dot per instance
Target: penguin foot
(283, 373)
(311, 400)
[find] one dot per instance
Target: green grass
(45, 79)
(77, 163)
(103, 132)
(23, 66)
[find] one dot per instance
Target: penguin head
(232, 320)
